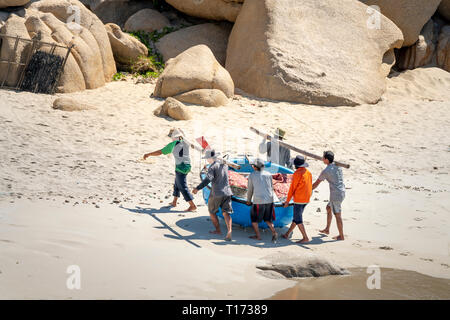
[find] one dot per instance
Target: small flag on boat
(201, 141)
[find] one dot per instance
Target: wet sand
(395, 285)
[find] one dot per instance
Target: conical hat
(280, 133)
(176, 133)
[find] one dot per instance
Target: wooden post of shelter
(10, 60)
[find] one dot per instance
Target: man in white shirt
(260, 188)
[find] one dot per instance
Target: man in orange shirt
(301, 190)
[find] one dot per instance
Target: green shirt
(181, 154)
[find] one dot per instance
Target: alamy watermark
(374, 280)
(374, 21)
(73, 282)
(74, 18)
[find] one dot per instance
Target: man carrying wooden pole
(276, 153)
(293, 148)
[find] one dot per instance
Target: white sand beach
(73, 193)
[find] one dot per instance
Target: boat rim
(242, 200)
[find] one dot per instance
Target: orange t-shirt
(301, 186)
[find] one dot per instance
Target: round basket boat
(241, 211)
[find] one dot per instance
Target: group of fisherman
(260, 194)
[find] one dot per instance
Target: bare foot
(228, 237)
(285, 235)
(304, 240)
(274, 238)
(191, 209)
(325, 231)
(215, 232)
(255, 237)
(338, 238)
(172, 204)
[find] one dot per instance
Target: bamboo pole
(61, 69)
(293, 148)
(30, 54)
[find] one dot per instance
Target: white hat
(176, 133)
(211, 153)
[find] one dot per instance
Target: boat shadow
(199, 227)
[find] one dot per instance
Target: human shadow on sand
(163, 210)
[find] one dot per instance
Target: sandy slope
(63, 166)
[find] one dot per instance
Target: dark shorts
(298, 213)
(262, 212)
(180, 187)
(224, 203)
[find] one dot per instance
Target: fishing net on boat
(281, 183)
(238, 184)
(42, 72)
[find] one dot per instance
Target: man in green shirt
(180, 150)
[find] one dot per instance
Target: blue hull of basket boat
(241, 214)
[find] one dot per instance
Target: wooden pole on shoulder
(293, 148)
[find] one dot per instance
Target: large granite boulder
(300, 266)
(195, 68)
(90, 63)
(147, 20)
(213, 35)
(12, 3)
(69, 104)
(312, 51)
(73, 78)
(209, 9)
(174, 109)
(126, 48)
(89, 22)
(204, 97)
(409, 15)
(14, 26)
(116, 11)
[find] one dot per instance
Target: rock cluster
(320, 52)
(89, 65)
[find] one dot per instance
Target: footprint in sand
(385, 248)
(426, 259)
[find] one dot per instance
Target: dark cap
(299, 162)
(329, 155)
